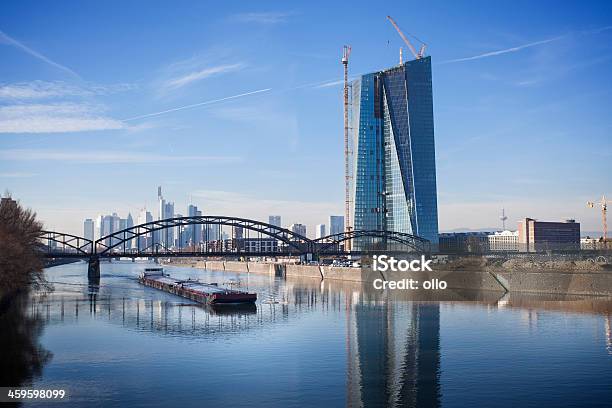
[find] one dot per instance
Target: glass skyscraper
(394, 168)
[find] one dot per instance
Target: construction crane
(417, 55)
(346, 52)
(604, 210)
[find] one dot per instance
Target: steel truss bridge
(221, 236)
(247, 238)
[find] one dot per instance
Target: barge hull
(212, 297)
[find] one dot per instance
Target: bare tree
(20, 260)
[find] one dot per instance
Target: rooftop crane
(604, 210)
(417, 55)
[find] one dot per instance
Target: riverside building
(394, 170)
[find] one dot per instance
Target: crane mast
(604, 214)
(346, 52)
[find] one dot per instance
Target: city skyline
(109, 221)
(240, 113)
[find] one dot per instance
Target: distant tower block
(503, 219)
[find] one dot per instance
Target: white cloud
(108, 156)
(11, 41)
(16, 174)
(178, 82)
(54, 118)
(39, 90)
(34, 90)
(263, 17)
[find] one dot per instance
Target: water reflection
(22, 357)
(393, 355)
(390, 342)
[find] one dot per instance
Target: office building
(336, 224)
(274, 220)
(88, 229)
(166, 211)
(298, 229)
(146, 240)
(457, 242)
(193, 233)
(542, 235)
(320, 231)
(504, 241)
(129, 223)
(394, 170)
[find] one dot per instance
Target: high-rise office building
(274, 220)
(394, 171)
(336, 224)
(129, 223)
(88, 229)
(320, 231)
(193, 232)
(105, 225)
(298, 229)
(166, 210)
(144, 241)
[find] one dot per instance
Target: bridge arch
(332, 242)
(78, 244)
(299, 243)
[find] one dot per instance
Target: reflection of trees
(22, 358)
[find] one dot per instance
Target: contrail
(148, 115)
(11, 41)
(533, 44)
(505, 51)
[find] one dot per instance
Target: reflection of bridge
(221, 236)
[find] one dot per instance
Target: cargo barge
(206, 293)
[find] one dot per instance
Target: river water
(308, 343)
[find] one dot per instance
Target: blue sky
(522, 98)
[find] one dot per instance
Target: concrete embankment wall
(349, 274)
(307, 271)
(558, 282)
(573, 283)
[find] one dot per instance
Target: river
(309, 343)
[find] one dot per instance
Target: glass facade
(394, 169)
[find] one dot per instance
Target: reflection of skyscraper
(393, 354)
(394, 171)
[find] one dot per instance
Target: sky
(237, 106)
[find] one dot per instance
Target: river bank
(545, 281)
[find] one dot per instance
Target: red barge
(206, 293)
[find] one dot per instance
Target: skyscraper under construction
(393, 168)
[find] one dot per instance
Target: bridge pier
(93, 268)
